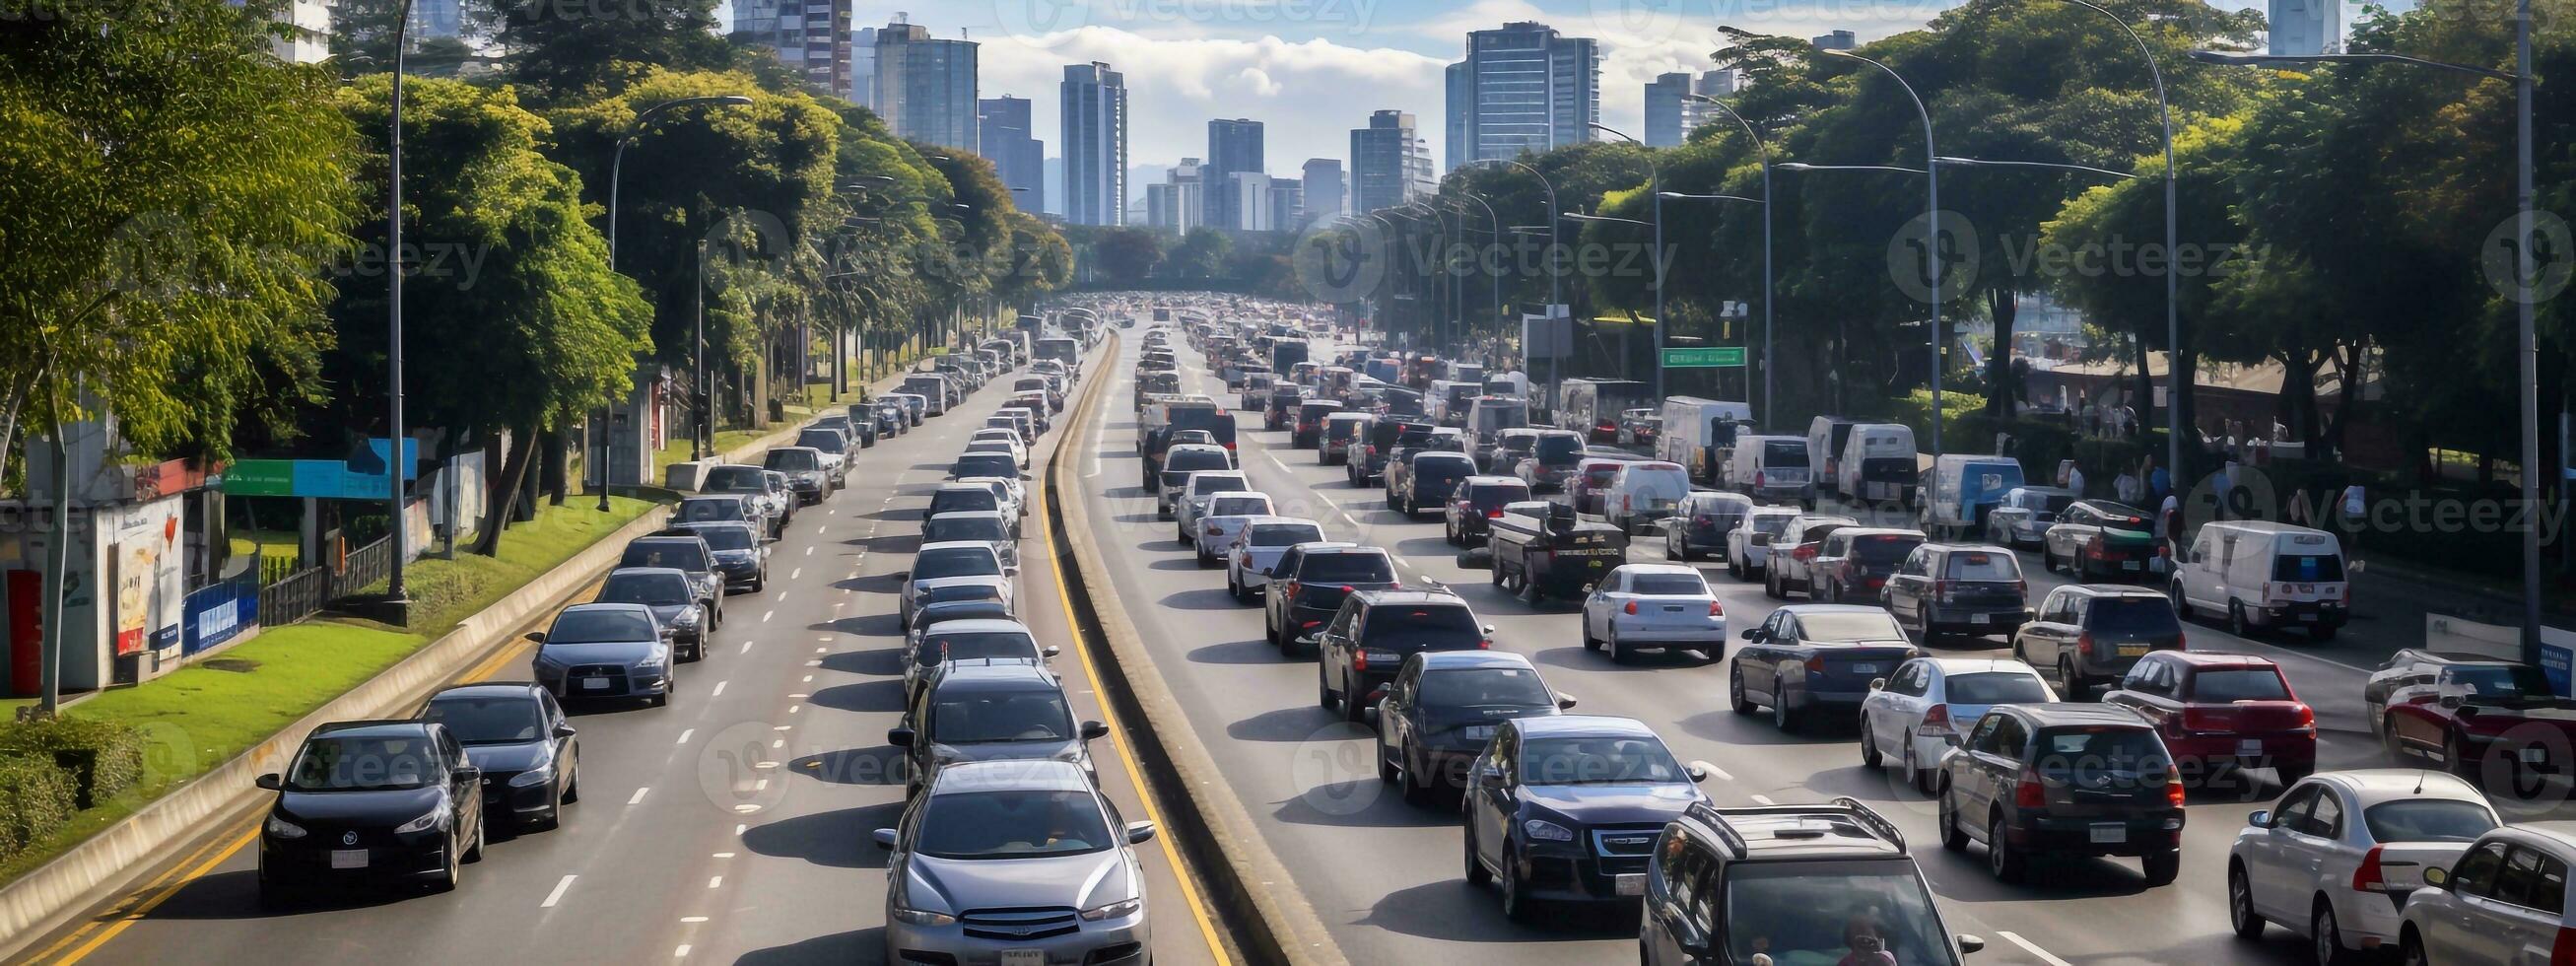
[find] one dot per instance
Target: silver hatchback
(1021, 863)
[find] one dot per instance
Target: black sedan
(1443, 709)
(371, 801)
(515, 733)
(742, 560)
(1807, 659)
(1567, 809)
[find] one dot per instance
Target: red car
(2463, 714)
(2223, 711)
(1583, 487)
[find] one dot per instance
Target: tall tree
(565, 51)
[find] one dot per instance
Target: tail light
(1493, 514)
(1243, 557)
(2307, 719)
(2369, 878)
(1291, 590)
(1816, 665)
(2173, 786)
(1359, 659)
(1346, 588)
(1805, 551)
(1757, 479)
(2084, 643)
(1623, 501)
(1714, 610)
(1941, 589)
(1214, 530)
(2563, 952)
(1936, 721)
(1484, 643)
(1229, 445)
(1631, 608)
(2194, 719)
(2027, 790)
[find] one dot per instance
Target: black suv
(2089, 635)
(1281, 413)
(2055, 780)
(1359, 651)
(1568, 809)
(1444, 707)
(1368, 461)
(1308, 431)
(1477, 500)
(1699, 525)
(1309, 582)
(1422, 479)
(1796, 883)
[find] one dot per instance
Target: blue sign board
(361, 477)
(218, 613)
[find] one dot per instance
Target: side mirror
(269, 782)
(2356, 566)
(900, 737)
(1971, 944)
(2260, 818)
(1371, 714)
(564, 731)
(1487, 630)
(1050, 651)
(465, 773)
(1139, 833)
(537, 636)
(1024, 476)
(2030, 613)
(1752, 634)
(2437, 877)
(885, 839)
(1877, 684)
(1092, 730)
(1699, 771)
(1565, 702)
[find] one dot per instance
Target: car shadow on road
(873, 583)
(864, 697)
(1237, 652)
(842, 839)
(1756, 729)
(889, 543)
(1190, 564)
(1455, 911)
(894, 513)
(875, 662)
(1964, 877)
(1305, 723)
(234, 894)
(1361, 803)
(1425, 547)
(1574, 656)
(872, 625)
(865, 947)
(881, 765)
(1204, 598)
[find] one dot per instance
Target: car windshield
(1205, 483)
(679, 554)
(2225, 685)
(1816, 914)
(737, 479)
(2131, 615)
(1239, 506)
(1848, 626)
(1679, 585)
(822, 439)
(1194, 459)
(664, 588)
(975, 717)
(2499, 681)
(1011, 825)
(955, 562)
(1472, 687)
(1601, 760)
(1420, 627)
(1346, 568)
(939, 645)
(2428, 820)
(1519, 442)
(1771, 524)
(1996, 687)
(957, 592)
(1981, 565)
(722, 508)
(2121, 517)
(1444, 469)
(1883, 550)
(964, 500)
(986, 464)
(487, 719)
(1553, 448)
(2307, 568)
(964, 528)
(2098, 755)
(1494, 496)
(363, 764)
(1784, 454)
(599, 627)
(1283, 534)
(726, 538)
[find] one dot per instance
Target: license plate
(2310, 618)
(1882, 491)
(1023, 957)
(1672, 610)
(2249, 748)
(594, 684)
(2110, 834)
(2133, 650)
(2535, 755)
(1478, 732)
(1864, 669)
(348, 858)
(2128, 565)
(1979, 618)
(1630, 884)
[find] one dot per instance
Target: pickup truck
(1542, 549)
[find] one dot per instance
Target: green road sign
(1713, 357)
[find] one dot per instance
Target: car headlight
(284, 829)
(533, 776)
(652, 662)
(922, 917)
(686, 618)
(421, 824)
(1546, 831)
(1115, 910)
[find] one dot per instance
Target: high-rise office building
(2306, 28)
(1837, 40)
(1247, 200)
(1462, 104)
(1094, 100)
(1017, 155)
(1389, 164)
(1524, 87)
(1234, 147)
(811, 37)
(1667, 113)
(309, 32)
(863, 67)
(1715, 83)
(435, 18)
(925, 86)
(1180, 201)
(1323, 189)
(1287, 204)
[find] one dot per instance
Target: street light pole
(1764, 149)
(1655, 184)
(1931, 235)
(395, 594)
(1498, 241)
(702, 441)
(1555, 223)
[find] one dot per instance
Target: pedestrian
(2159, 483)
(2075, 478)
(2171, 515)
(2126, 487)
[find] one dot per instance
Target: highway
(1386, 877)
(732, 826)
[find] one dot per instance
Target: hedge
(36, 801)
(102, 758)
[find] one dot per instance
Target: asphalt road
(1386, 877)
(732, 826)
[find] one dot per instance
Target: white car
(1225, 516)
(1748, 546)
(1926, 707)
(1002, 439)
(1013, 494)
(2343, 852)
(1192, 499)
(1649, 606)
(945, 561)
(2025, 515)
(1257, 548)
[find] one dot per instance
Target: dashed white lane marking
(793, 708)
(724, 855)
(719, 691)
(682, 952)
(796, 574)
(683, 918)
(809, 551)
(2033, 949)
(684, 735)
(1720, 773)
(780, 743)
(738, 829)
(557, 895)
(809, 679)
(782, 598)
(1763, 800)
(639, 796)
(760, 786)
(746, 647)
(764, 618)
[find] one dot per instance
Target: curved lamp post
(1932, 230)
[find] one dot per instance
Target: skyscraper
(925, 86)
(1177, 203)
(1667, 114)
(1247, 200)
(2304, 28)
(811, 37)
(1234, 147)
(1287, 204)
(1462, 104)
(1389, 164)
(1095, 144)
(1524, 88)
(1837, 40)
(1018, 157)
(1715, 83)
(1323, 189)
(863, 67)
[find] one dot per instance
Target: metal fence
(305, 592)
(363, 567)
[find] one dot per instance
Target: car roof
(964, 515)
(1009, 775)
(1403, 597)
(1800, 610)
(1660, 568)
(1976, 665)
(963, 486)
(489, 689)
(595, 606)
(1324, 546)
(695, 525)
(2215, 659)
(953, 545)
(989, 580)
(1237, 494)
(1878, 532)
(372, 728)
(2371, 784)
(1003, 674)
(650, 572)
(660, 538)
(1583, 726)
(2114, 590)
(1801, 832)
(1450, 660)
(2560, 834)
(1492, 481)
(2074, 713)
(1969, 548)
(984, 623)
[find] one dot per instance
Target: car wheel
(2075, 689)
(2236, 623)
(1735, 699)
(1386, 771)
(2240, 905)
(2410, 950)
(1924, 779)
(474, 852)
(1618, 652)
(1476, 872)
(1771, 584)
(1352, 709)
(1870, 757)
(1734, 566)
(2181, 604)
(2162, 866)
(2321, 633)
(2001, 858)
(1954, 837)
(572, 784)
(1673, 548)
(1530, 593)
(2325, 939)
(2455, 757)
(1323, 692)
(1206, 561)
(1781, 716)
(1584, 627)
(451, 873)
(1417, 783)
(1516, 904)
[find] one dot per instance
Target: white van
(1879, 464)
(1825, 438)
(1699, 432)
(2257, 573)
(1447, 400)
(932, 387)
(1772, 468)
(1490, 415)
(1643, 494)
(1513, 384)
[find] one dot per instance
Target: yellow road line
(1118, 736)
